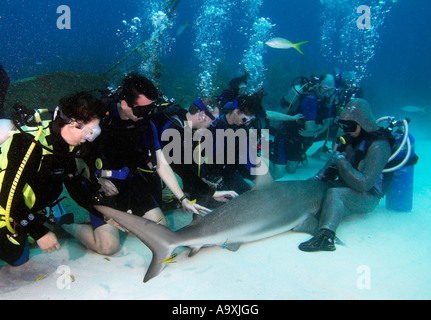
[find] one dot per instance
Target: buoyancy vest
(361, 146)
(40, 176)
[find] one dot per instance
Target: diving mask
(92, 133)
(143, 111)
(347, 125)
(209, 110)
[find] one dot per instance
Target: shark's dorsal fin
(264, 181)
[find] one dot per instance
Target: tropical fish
(413, 109)
(41, 277)
(255, 215)
(181, 29)
(281, 43)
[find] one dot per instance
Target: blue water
(397, 74)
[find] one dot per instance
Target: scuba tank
(401, 164)
(400, 194)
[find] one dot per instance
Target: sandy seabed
(386, 255)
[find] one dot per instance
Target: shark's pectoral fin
(264, 181)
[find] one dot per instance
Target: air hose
(405, 141)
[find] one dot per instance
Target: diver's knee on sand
(278, 171)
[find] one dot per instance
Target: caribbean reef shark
(270, 208)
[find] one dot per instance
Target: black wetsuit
(175, 119)
(125, 143)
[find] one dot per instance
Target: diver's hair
(134, 85)
(323, 77)
(251, 105)
(193, 109)
(82, 107)
(235, 82)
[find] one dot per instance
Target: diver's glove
(100, 199)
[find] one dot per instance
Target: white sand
(387, 255)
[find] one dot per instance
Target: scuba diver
(354, 174)
(294, 138)
(4, 85)
(199, 117)
(240, 114)
(129, 163)
(237, 87)
(35, 162)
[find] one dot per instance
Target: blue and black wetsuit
(289, 145)
(232, 173)
(125, 143)
(174, 119)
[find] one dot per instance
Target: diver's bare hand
(224, 196)
(194, 207)
(108, 187)
(49, 243)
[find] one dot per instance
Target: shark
(269, 209)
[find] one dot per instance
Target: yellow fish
(40, 278)
(170, 259)
(281, 43)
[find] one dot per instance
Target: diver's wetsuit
(175, 119)
(125, 143)
(361, 184)
(232, 173)
(360, 187)
(4, 85)
(289, 145)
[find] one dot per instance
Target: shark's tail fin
(159, 239)
(161, 254)
(297, 46)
